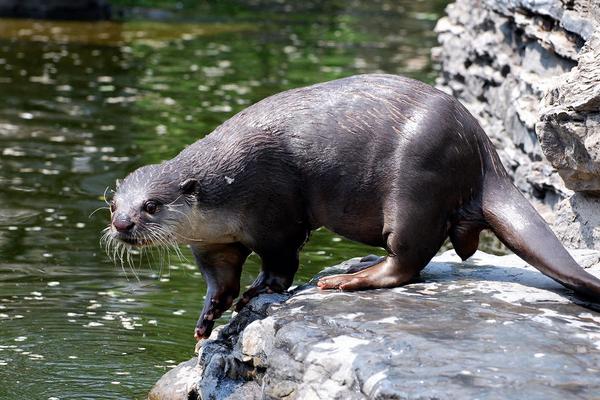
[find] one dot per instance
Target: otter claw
(250, 294)
(203, 331)
(332, 282)
(241, 303)
(206, 322)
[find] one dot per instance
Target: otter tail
(518, 225)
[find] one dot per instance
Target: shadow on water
(84, 103)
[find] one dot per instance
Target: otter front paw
(203, 329)
(213, 309)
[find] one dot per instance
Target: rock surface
(490, 327)
(578, 222)
(530, 72)
(178, 382)
(569, 127)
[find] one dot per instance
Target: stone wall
(530, 71)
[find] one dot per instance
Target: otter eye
(150, 207)
(113, 206)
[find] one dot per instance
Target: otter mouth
(132, 240)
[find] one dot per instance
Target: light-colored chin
(209, 227)
(202, 236)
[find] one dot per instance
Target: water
(82, 104)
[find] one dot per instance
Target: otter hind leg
(410, 248)
(415, 235)
(386, 273)
(364, 263)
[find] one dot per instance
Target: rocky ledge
(529, 70)
(491, 327)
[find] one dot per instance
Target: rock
(573, 16)
(498, 57)
(490, 327)
(578, 222)
(530, 72)
(177, 383)
(569, 127)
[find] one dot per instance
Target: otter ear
(189, 186)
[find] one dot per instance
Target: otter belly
(348, 210)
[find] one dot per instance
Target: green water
(82, 104)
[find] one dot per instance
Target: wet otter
(380, 159)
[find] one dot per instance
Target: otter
(380, 159)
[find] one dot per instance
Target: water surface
(82, 104)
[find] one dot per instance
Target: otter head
(152, 206)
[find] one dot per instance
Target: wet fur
(380, 159)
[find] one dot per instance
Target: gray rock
(177, 383)
(578, 222)
(498, 62)
(529, 71)
(569, 127)
(576, 17)
(487, 328)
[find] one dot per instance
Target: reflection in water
(106, 33)
(84, 103)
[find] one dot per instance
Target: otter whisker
(169, 204)
(170, 208)
(98, 209)
(141, 257)
(148, 253)
(112, 248)
(179, 235)
(109, 245)
(168, 240)
(117, 249)
(104, 237)
(179, 253)
(114, 245)
(156, 236)
(161, 232)
(131, 266)
(104, 195)
(160, 258)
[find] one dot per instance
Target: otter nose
(122, 223)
